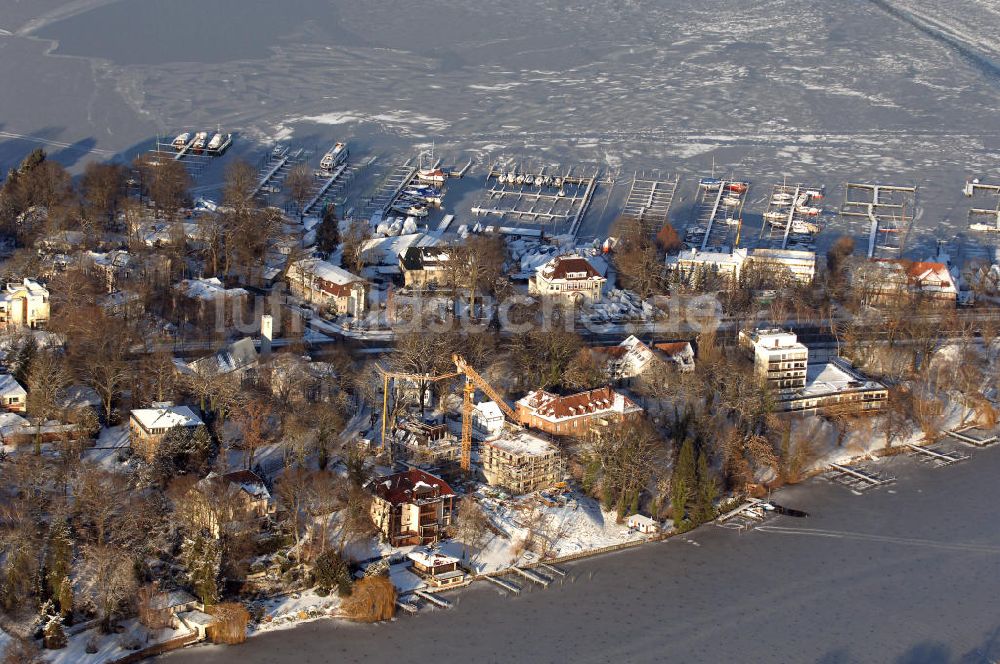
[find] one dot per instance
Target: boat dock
(333, 186)
(533, 576)
(649, 200)
(720, 215)
(434, 599)
(539, 195)
(889, 211)
(274, 167)
(510, 587)
(984, 216)
(856, 479)
(790, 221)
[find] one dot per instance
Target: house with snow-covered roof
(148, 426)
(24, 305)
(329, 286)
(575, 414)
(571, 278)
(632, 357)
(12, 396)
(411, 507)
(882, 280)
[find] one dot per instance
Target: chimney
(266, 335)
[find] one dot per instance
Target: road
(907, 573)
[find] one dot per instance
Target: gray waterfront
(905, 573)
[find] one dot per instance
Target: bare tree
(108, 581)
(299, 187)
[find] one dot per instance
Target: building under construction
(521, 462)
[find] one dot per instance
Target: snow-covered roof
(320, 269)
(833, 378)
(430, 557)
(642, 520)
(10, 387)
(386, 250)
(569, 268)
(171, 599)
(11, 423)
(489, 410)
(237, 355)
(523, 443)
(160, 418)
(208, 289)
(591, 403)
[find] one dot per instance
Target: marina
(791, 220)
(984, 215)
(889, 211)
(547, 196)
(719, 217)
(649, 199)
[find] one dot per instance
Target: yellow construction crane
(388, 375)
(472, 381)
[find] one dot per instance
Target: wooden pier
(274, 167)
(855, 479)
(532, 576)
(434, 599)
(512, 588)
(649, 199)
(936, 458)
(889, 211)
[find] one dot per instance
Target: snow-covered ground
(110, 646)
(289, 610)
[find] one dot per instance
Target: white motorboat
(181, 141)
(332, 159)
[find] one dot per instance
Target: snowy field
(892, 90)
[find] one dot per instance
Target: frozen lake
(902, 574)
(900, 91)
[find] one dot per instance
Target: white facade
(571, 278)
(487, 418)
(801, 265)
(780, 359)
(725, 264)
(24, 304)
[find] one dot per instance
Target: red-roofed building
(568, 277)
(575, 414)
(630, 358)
(881, 280)
(411, 507)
